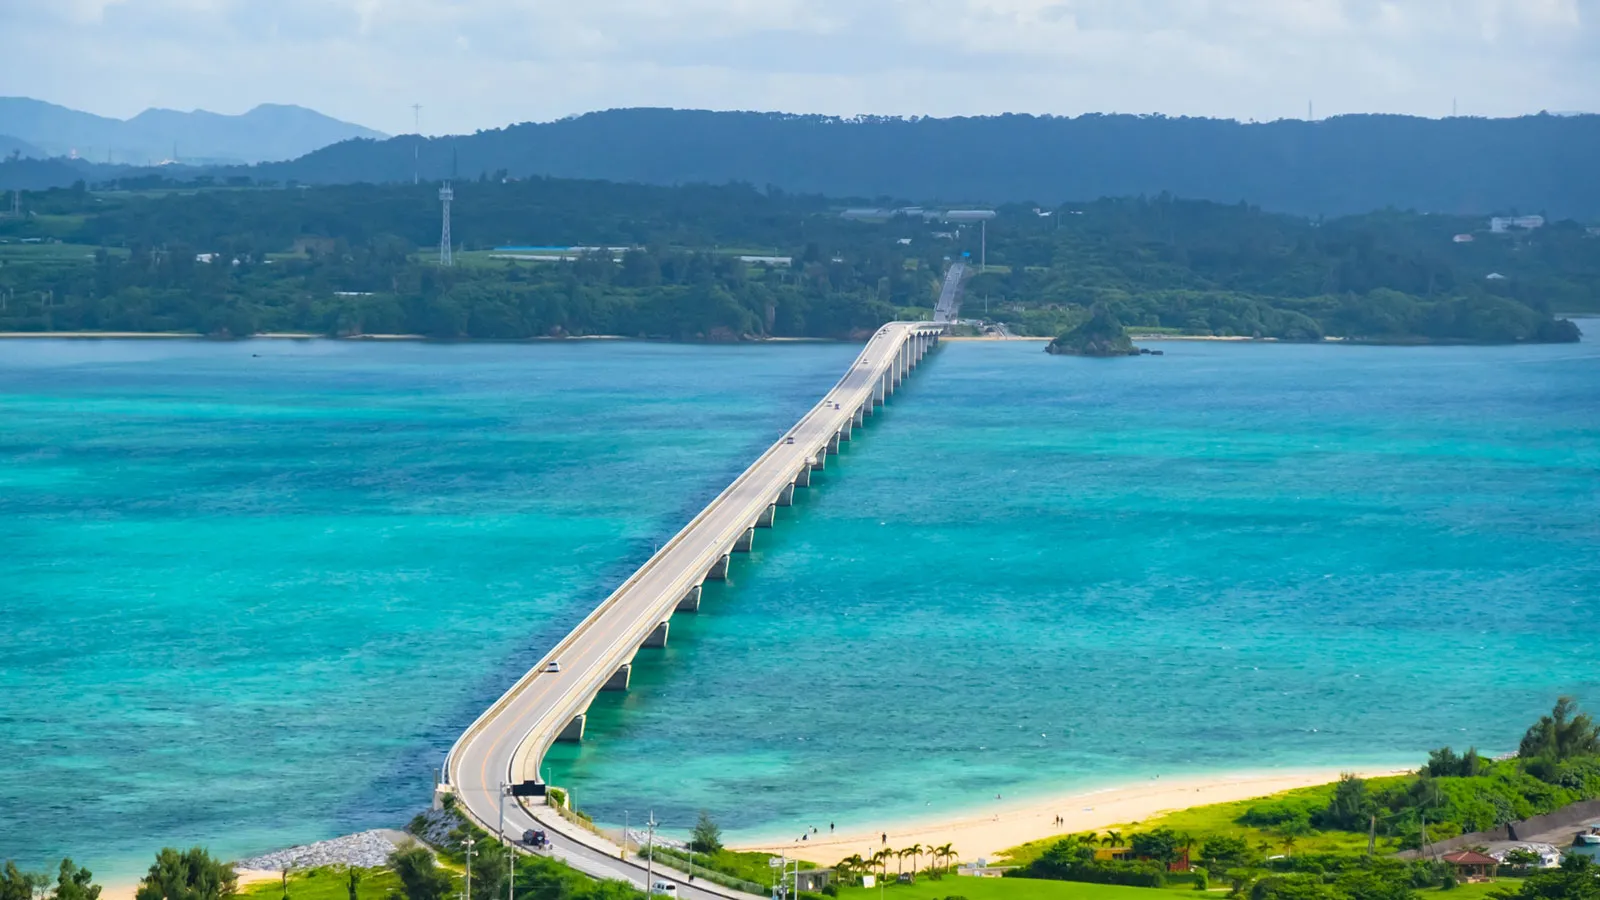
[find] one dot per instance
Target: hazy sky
(485, 63)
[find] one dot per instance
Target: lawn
(12, 251)
(1008, 889)
(325, 883)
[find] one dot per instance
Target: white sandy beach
(985, 834)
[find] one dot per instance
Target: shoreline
(986, 835)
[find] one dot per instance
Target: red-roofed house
(1470, 865)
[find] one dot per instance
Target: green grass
(746, 866)
(325, 883)
(1029, 888)
(1222, 818)
(1010, 889)
(52, 253)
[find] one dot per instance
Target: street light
(466, 890)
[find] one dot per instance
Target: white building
(1503, 224)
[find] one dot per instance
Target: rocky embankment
(365, 850)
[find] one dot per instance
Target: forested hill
(1344, 165)
(730, 262)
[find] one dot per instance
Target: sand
(984, 835)
(124, 890)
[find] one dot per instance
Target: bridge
(949, 305)
(494, 767)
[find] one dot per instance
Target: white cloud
(486, 63)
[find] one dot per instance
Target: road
(949, 305)
(506, 744)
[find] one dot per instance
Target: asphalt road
(506, 744)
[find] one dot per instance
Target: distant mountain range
(266, 133)
(1348, 164)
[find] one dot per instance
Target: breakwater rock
(365, 850)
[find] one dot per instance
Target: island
(1101, 335)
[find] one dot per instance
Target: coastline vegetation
(1336, 841)
(654, 262)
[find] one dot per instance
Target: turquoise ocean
(250, 592)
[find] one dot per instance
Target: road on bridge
(506, 744)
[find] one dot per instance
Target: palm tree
(1112, 839)
(1288, 844)
(916, 851)
(853, 864)
(881, 860)
(1089, 837)
(945, 852)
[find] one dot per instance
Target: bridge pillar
(619, 679)
(833, 444)
(658, 638)
(765, 519)
(860, 417)
(785, 496)
(820, 461)
(879, 391)
(804, 478)
(746, 540)
(719, 569)
(573, 733)
(690, 601)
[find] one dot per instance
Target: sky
(480, 64)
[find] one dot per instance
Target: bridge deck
(506, 743)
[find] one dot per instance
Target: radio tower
(446, 194)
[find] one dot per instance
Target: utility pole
(466, 888)
(1372, 834)
(446, 253)
(650, 858)
(511, 851)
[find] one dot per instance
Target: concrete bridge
(949, 305)
(501, 752)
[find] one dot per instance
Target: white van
(664, 889)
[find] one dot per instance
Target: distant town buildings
(883, 214)
(1504, 224)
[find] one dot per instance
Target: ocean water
(1038, 574)
(248, 600)
(250, 593)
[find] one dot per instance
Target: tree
(187, 875)
(946, 853)
(1562, 735)
(1444, 763)
(15, 884)
(1159, 844)
(1225, 852)
(352, 882)
(1350, 805)
(75, 883)
(419, 874)
(1112, 839)
(707, 836)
